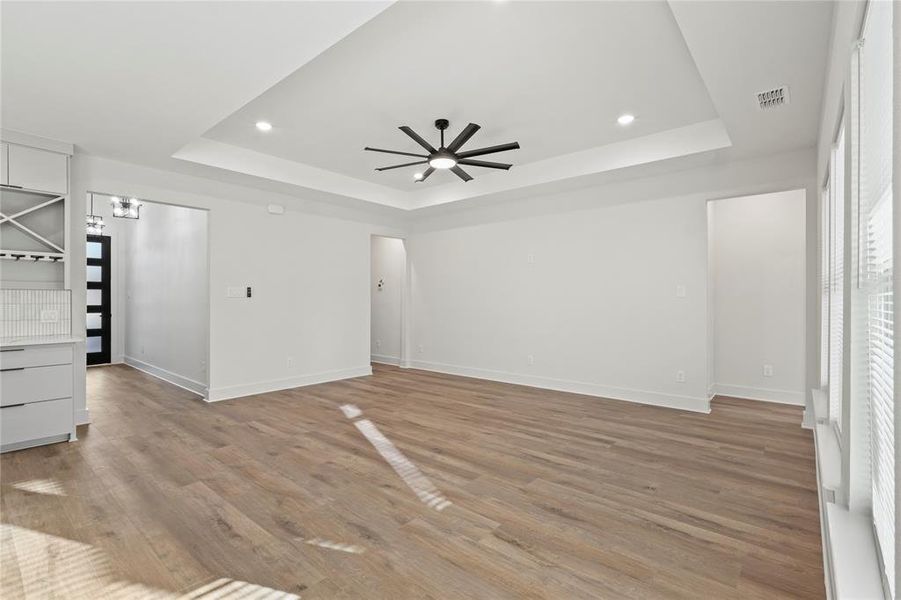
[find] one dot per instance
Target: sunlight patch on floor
(40, 565)
(50, 487)
(350, 548)
(408, 472)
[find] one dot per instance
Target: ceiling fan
(448, 157)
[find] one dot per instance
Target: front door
(98, 300)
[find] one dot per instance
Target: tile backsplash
(35, 313)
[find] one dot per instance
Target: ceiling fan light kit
(448, 157)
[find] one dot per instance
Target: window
(824, 287)
(836, 191)
(875, 148)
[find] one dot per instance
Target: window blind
(876, 214)
(824, 287)
(837, 288)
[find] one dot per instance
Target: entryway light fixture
(94, 222)
(126, 208)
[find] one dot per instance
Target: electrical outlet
(378, 344)
(681, 292)
(290, 362)
(49, 316)
(767, 370)
(680, 376)
(531, 359)
(420, 349)
(530, 259)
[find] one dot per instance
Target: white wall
(321, 316)
(582, 301)
(309, 269)
(167, 294)
(388, 264)
(758, 277)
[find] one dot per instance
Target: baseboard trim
(261, 387)
(679, 402)
(168, 376)
(83, 417)
(384, 359)
(761, 394)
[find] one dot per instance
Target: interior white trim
(850, 562)
(250, 162)
(689, 403)
(274, 385)
(173, 378)
(82, 417)
(762, 394)
(673, 143)
(385, 359)
(36, 141)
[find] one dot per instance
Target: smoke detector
(773, 98)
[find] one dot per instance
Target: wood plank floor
(542, 495)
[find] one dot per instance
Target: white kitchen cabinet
(35, 169)
(36, 385)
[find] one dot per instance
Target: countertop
(38, 340)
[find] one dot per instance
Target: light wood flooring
(543, 495)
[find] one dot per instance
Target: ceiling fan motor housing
(449, 156)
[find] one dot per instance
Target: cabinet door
(40, 170)
(4, 158)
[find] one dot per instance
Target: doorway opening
(756, 300)
(388, 279)
(147, 300)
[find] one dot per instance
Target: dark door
(98, 301)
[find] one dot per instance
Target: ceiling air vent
(773, 98)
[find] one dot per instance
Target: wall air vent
(773, 98)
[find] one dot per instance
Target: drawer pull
(15, 369)
(13, 405)
(12, 349)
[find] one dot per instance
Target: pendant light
(94, 222)
(126, 208)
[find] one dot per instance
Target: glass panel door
(98, 300)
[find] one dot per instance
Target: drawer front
(34, 384)
(35, 421)
(35, 356)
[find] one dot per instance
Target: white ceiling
(551, 75)
(138, 80)
(180, 86)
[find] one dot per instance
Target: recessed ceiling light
(417, 176)
(625, 119)
(264, 125)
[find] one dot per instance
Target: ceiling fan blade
(461, 173)
(489, 150)
(463, 137)
(426, 173)
(417, 138)
(395, 152)
(419, 162)
(483, 163)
